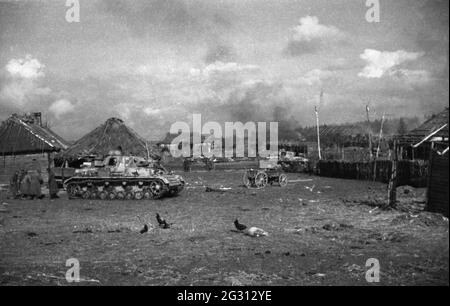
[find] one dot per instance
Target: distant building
(417, 143)
(430, 142)
(25, 143)
(111, 135)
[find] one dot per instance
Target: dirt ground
(321, 232)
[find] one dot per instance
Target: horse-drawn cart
(269, 172)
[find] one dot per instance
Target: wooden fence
(438, 185)
(412, 173)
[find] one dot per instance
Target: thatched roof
(349, 130)
(111, 135)
(25, 135)
(437, 123)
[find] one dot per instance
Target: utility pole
(370, 132)
(392, 187)
(378, 148)
(381, 135)
(317, 124)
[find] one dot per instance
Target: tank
(123, 177)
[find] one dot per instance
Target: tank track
(120, 188)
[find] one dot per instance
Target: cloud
(309, 29)
(412, 76)
(229, 67)
(26, 68)
(220, 52)
(22, 84)
(381, 62)
(310, 36)
(177, 21)
(316, 77)
(151, 111)
(61, 107)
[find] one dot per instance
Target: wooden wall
(438, 185)
(9, 164)
(412, 173)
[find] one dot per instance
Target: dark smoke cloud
(171, 20)
(220, 52)
(298, 48)
(433, 36)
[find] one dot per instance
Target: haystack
(112, 135)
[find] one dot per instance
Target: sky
(155, 62)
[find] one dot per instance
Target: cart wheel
(246, 179)
(283, 180)
(261, 180)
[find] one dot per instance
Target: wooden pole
(392, 187)
(370, 132)
(380, 135)
(317, 124)
(318, 133)
(378, 148)
(430, 167)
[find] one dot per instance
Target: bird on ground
(239, 226)
(162, 222)
(144, 230)
(250, 231)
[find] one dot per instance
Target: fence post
(392, 187)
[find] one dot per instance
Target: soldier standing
(52, 185)
(14, 184)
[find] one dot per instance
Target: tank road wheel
(138, 195)
(261, 180)
(283, 180)
(111, 195)
(103, 195)
(120, 195)
(86, 194)
(73, 190)
(246, 179)
(129, 195)
(157, 189)
(147, 193)
(94, 194)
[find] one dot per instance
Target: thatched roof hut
(25, 144)
(25, 135)
(111, 135)
(436, 127)
(417, 143)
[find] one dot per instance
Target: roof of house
(432, 124)
(437, 122)
(169, 138)
(351, 130)
(111, 135)
(23, 135)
